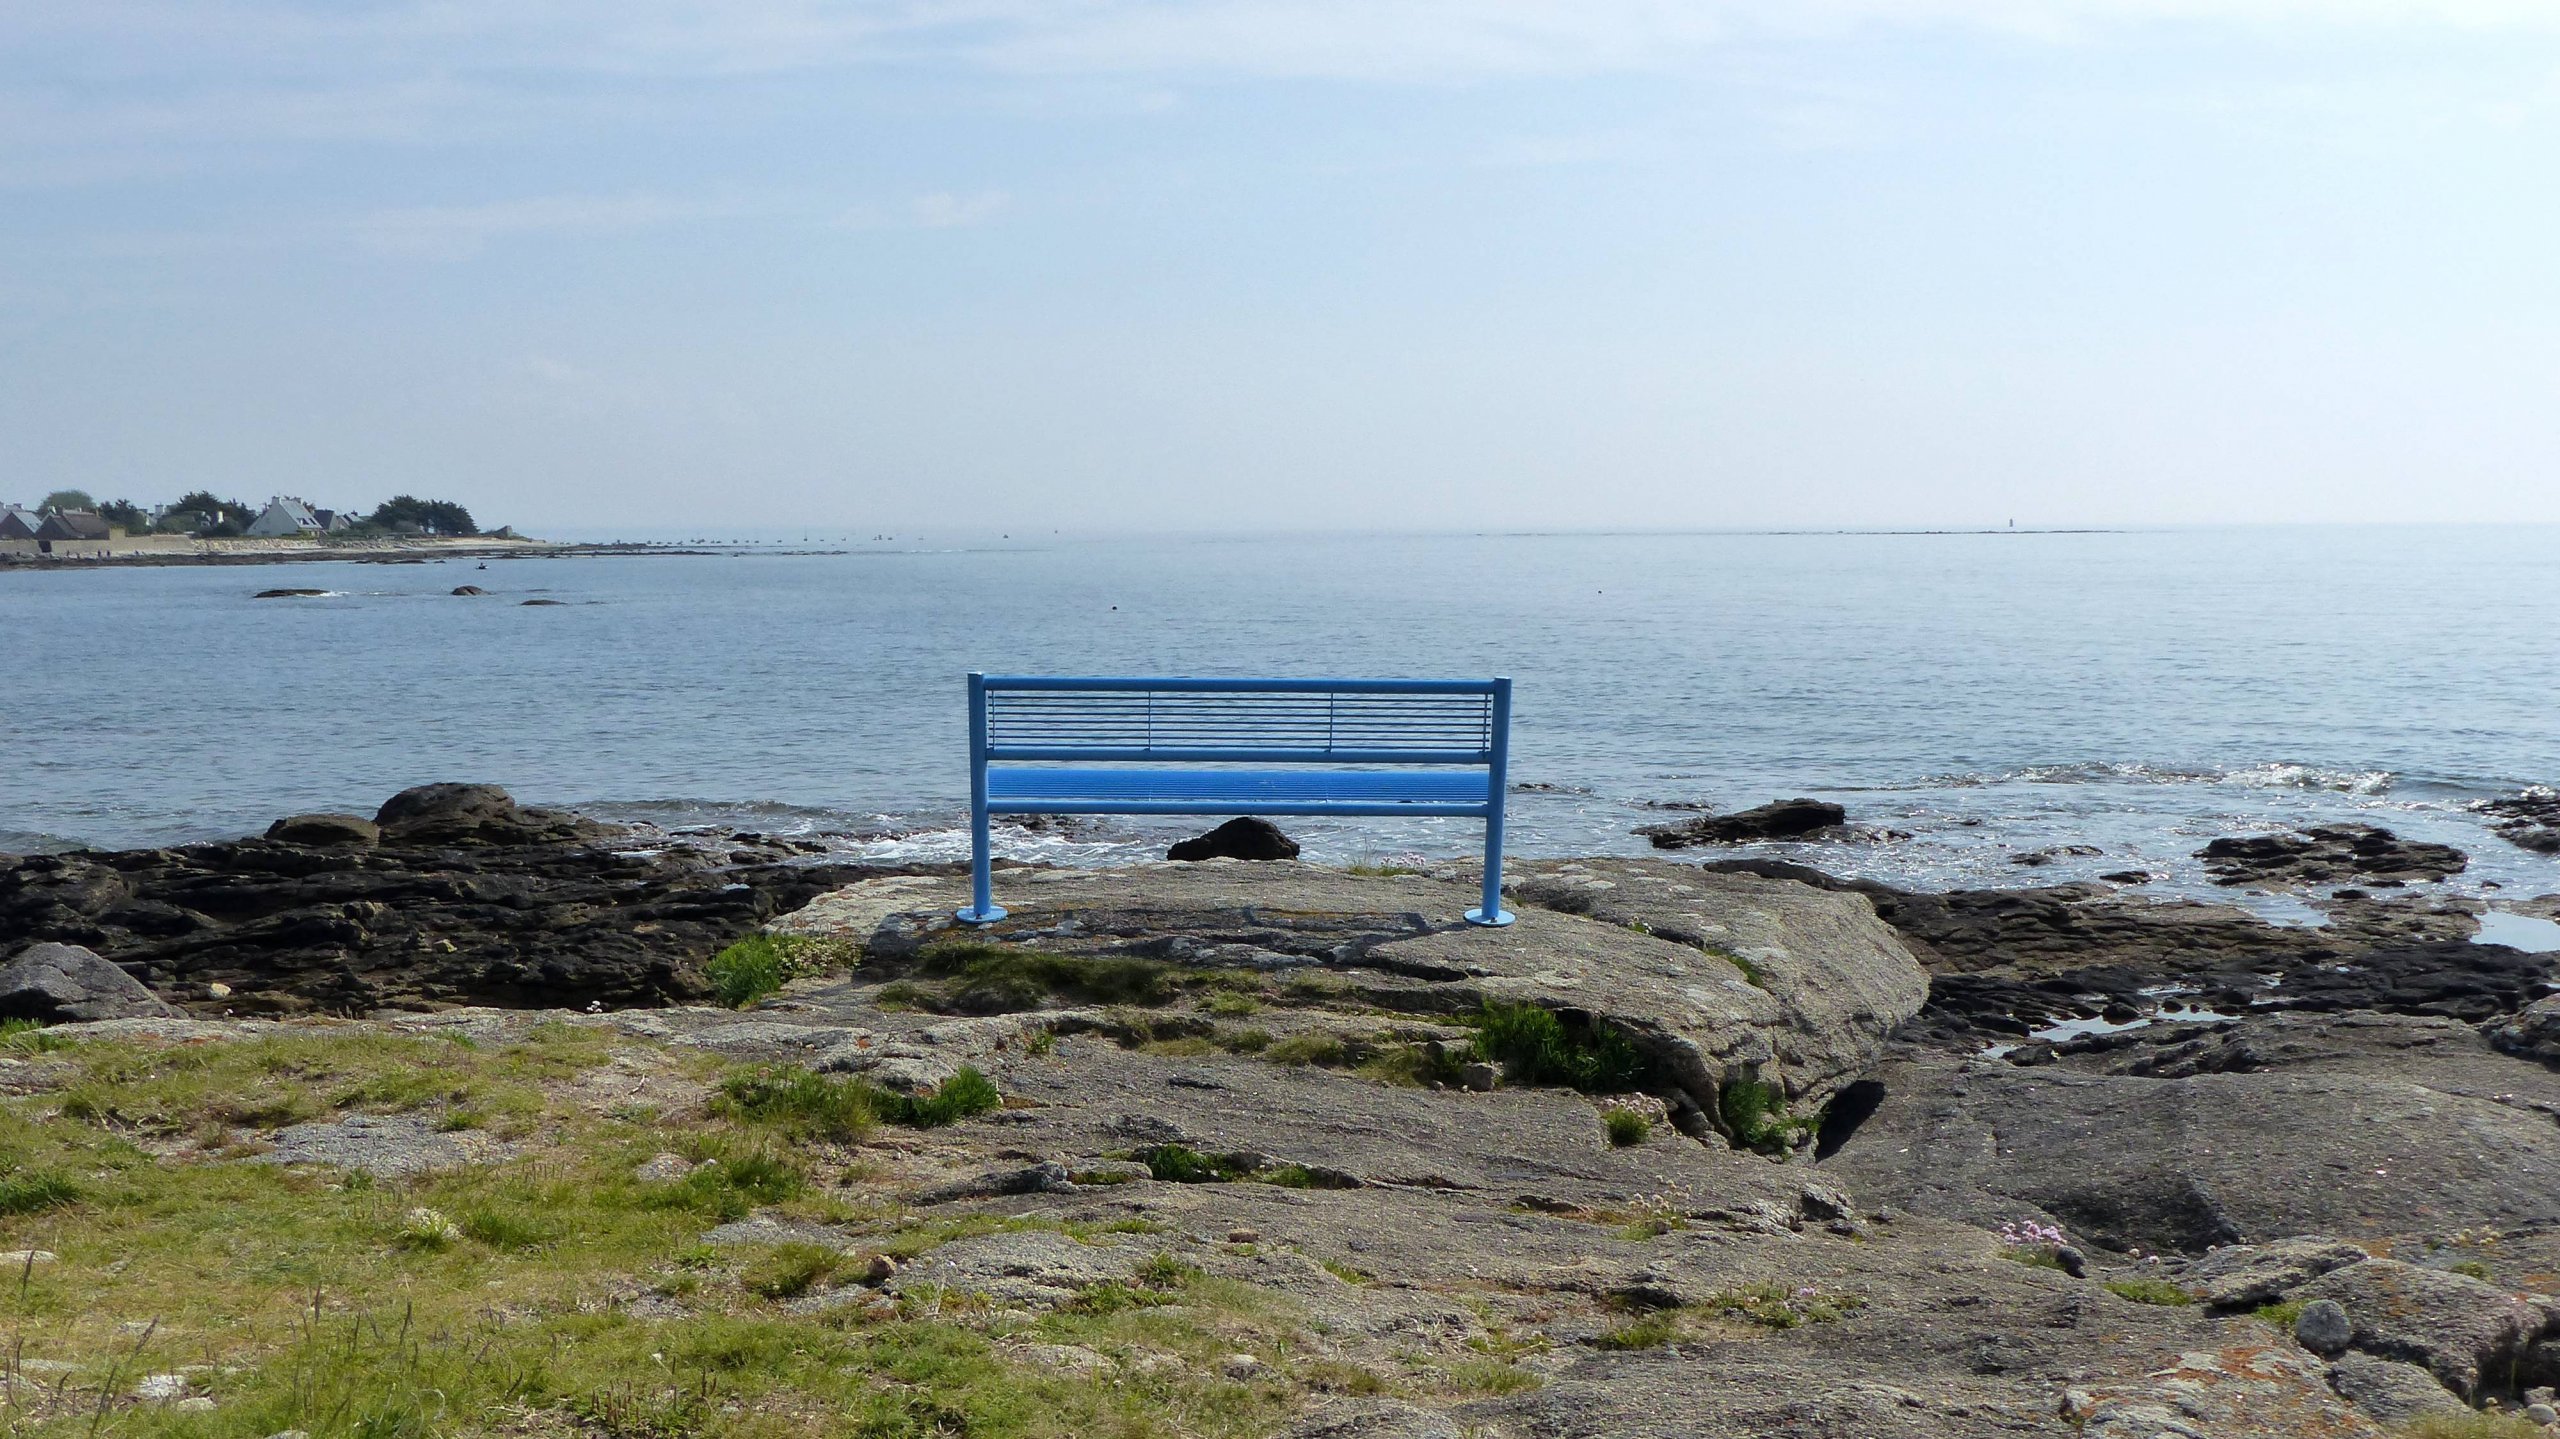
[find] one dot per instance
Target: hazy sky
(1122, 264)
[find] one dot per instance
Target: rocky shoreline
(1736, 1148)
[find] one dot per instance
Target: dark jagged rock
(2328, 854)
(1785, 819)
(59, 983)
(546, 602)
(2007, 961)
(2039, 858)
(287, 594)
(469, 590)
(1237, 839)
(325, 829)
(468, 899)
(2530, 820)
(480, 814)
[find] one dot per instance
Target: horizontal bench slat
(1237, 754)
(1248, 791)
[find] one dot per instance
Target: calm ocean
(1985, 694)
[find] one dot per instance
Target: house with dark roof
(19, 523)
(74, 525)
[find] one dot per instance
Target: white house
(284, 516)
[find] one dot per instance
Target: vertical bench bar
(1498, 785)
(982, 907)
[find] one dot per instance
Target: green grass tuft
(988, 978)
(1626, 1127)
(1650, 1330)
(2150, 1291)
(787, 1271)
(1776, 1306)
(804, 1105)
(1755, 1114)
(33, 1191)
(762, 964)
(2282, 1314)
(1537, 1047)
(1181, 1164)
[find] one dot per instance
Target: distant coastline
(160, 550)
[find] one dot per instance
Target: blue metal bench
(1054, 744)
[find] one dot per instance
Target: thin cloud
(458, 232)
(941, 210)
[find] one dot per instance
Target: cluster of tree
(201, 512)
(436, 517)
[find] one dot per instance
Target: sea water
(1970, 698)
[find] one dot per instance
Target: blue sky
(1112, 265)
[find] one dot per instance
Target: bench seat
(1023, 790)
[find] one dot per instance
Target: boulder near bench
(1058, 744)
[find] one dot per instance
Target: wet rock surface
(465, 898)
(2329, 854)
(1783, 819)
(2530, 820)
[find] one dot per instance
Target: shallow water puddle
(2518, 931)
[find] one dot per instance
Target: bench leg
(1497, 782)
(1492, 913)
(982, 907)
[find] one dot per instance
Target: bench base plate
(971, 914)
(1500, 918)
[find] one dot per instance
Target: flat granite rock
(1653, 950)
(2242, 1391)
(386, 1146)
(2356, 1126)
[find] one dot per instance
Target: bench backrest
(1261, 721)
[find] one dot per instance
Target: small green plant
(1348, 1274)
(787, 1271)
(728, 1188)
(1751, 973)
(2150, 1291)
(2282, 1314)
(1626, 1127)
(424, 1228)
(1649, 1330)
(32, 1191)
(1161, 1270)
(28, 1036)
(1490, 1376)
(500, 1229)
(1181, 1164)
(989, 978)
(1778, 1306)
(967, 1094)
(1041, 1043)
(2471, 1267)
(1755, 1114)
(1227, 1004)
(1249, 1040)
(1327, 1050)
(1111, 1296)
(762, 964)
(800, 1103)
(1537, 1047)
